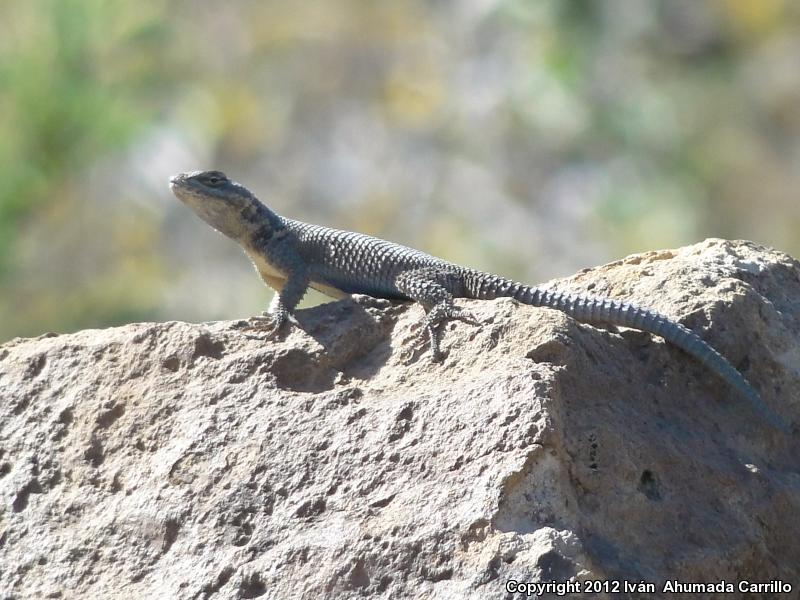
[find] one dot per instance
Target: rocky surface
(176, 460)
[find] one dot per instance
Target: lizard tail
(587, 309)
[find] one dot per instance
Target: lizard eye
(214, 180)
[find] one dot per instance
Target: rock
(176, 460)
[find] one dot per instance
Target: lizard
(291, 256)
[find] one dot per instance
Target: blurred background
(530, 138)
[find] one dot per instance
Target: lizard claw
(266, 324)
(435, 337)
(432, 328)
(428, 335)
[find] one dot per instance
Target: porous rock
(177, 460)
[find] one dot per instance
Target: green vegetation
(529, 138)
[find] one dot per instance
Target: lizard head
(224, 204)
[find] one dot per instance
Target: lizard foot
(433, 326)
(449, 312)
(419, 345)
(266, 324)
(434, 333)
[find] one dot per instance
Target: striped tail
(614, 312)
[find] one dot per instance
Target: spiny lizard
(292, 256)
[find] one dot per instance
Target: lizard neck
(259, 225)
(238, 214)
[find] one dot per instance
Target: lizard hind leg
(429, 287)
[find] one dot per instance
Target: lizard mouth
(176, 180)
(179, 186)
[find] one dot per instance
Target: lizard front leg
(288, 293)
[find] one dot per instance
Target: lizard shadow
(354, 335)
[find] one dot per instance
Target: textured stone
(176, 460)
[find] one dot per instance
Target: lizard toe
(465, 316)
(265, 324)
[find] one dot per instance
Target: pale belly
(276, 278)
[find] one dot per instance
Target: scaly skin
(292, 256)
